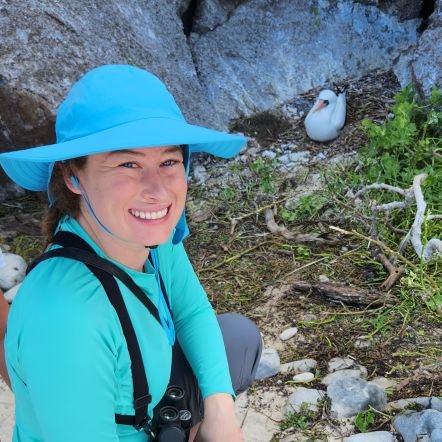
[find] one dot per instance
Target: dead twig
(394, 272)
(297, 237)
(234, 221)
(340, 293)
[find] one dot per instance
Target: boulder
(48, 45)
(256, 57)
(421, 64)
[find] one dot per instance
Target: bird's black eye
(326, 102)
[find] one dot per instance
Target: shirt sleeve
(197, 327)
(68, 351)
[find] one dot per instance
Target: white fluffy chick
(12, 270)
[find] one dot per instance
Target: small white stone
(304, 397)
(268, 154)
(323, 278)
(362, 343)
(200, 174)
(384, 383)
(336, 364)
(298, 366)
(304, 377)
(288, 333)
(374, 436)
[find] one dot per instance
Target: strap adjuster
(143, 401)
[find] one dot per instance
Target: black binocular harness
(74, 247)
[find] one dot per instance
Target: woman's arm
(197, 328)
(219, 424)
(4, 309)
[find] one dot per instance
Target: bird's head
(325, 98)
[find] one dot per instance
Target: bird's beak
(321, 104)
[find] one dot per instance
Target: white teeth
(149, 215)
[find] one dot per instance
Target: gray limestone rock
(424, 423)
(350, 396)
(421, 64)
(342, 374)
(304, 397)
(268, 364)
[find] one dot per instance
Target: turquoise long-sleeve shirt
(67, 356)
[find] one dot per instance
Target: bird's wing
(338, 116)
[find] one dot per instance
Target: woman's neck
(131, 255)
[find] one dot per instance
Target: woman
(116, 182)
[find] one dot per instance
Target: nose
(152, 185)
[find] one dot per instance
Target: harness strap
(76, 248)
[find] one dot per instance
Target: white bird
(327, 116)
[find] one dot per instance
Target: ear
(72, 184)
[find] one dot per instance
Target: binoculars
(171, 422)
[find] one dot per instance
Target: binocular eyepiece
(171, 421)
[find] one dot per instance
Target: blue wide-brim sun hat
(115, 107)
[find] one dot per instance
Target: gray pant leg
(243, 343)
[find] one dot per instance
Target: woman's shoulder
(61, 284)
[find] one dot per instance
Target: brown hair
(64, 202)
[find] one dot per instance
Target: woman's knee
(243, 343)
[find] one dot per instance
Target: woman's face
(138, 194)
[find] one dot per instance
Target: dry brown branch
(234, 221)
(296, 237)
(335, 292)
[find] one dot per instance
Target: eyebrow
(171, 149)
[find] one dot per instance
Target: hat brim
(30, 168)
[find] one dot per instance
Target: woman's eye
(129, 165)
(170, 163)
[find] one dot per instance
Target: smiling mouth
(149, 215)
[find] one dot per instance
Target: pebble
(384, 383)
(199, 173)
(362, 343)
(268, 154)
(303, 377)
(305, 398)
(375, 436)
(288, 333)
(336, 364)
(323, 278)
(300, 366)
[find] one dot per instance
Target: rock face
(255, 57)
(422, 63)
(47, 45)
